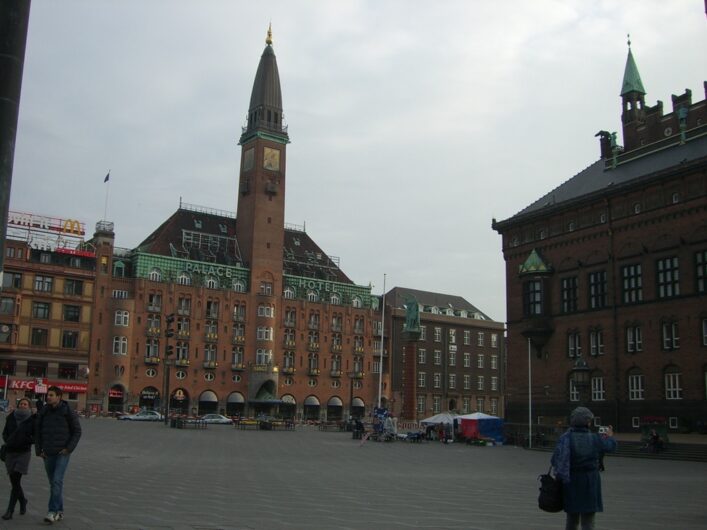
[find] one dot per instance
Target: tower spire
(632, 79)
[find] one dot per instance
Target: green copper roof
(534, 264)
(632, 79)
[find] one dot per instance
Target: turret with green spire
(632, 92)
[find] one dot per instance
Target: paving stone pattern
(147, 476)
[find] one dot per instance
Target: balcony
(182, 334)
(313, 325)
(335, 373)
(336, 348)
(336, 327)
(313, 371)
(181, 362)
(237, 367)
(238, 339)
(290, 323)
(357, 375)
(154, 308)
(288, 343)
(288, 370)
(150, 359)
(237, 317)
(313, 346)
(210, 365)
(183, 311)
(358, 349)
(211, 337)
(211, 316)
(152, 332)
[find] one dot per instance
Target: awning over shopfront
(288, 399)
(335, 402)
(357, 402)
(311, 401)
(209, 396)
(235, 397)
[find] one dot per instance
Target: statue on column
(412, 315)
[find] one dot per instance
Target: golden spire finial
(268, 39)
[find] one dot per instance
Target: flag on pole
(107, 177)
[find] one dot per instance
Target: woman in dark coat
(576, 463)
(18, 437)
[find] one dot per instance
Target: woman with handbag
(576, 463)
(18, 436)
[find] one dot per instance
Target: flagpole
(105, 209)
(380, 366)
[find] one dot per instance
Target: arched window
(184, 279)
(119, 269)
(211, 283)
(155, 275)
(122, 318)
(312, 296)
(239, 286)
(356, 302)
(289, 293)
(335, 298)
(120, 345)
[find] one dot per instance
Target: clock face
(271, 159)
(249, 159)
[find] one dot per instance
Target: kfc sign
(31, 385)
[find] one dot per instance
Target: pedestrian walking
(57, 434)
(18, 437)
(576, 463)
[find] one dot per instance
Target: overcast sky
(413, 123)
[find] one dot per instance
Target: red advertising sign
(115, 392)
(29, 384)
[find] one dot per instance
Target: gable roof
(398, 296)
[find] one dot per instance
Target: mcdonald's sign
(72, 226)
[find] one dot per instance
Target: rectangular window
(421, 379)
(635, 422)
(69, 339)
(120, 345)
(480, 404)
(467, 337)
(480, 360)
(420, 404)
(494, 340)
(43, 283)
(437, 380)
(41, 310)
(11, 280)
(598, 393)
(494, 362)
(36, 369)
(421, 356)
(39, 337)
(266, 288)
(532, 298)
(668, 277)
(494, 406)
(467, 382)
(467, 359)
(597, 289)
(635, 387)
(634, 339)
(480, 338)
(437, 358)
(632, 286)
(480, 382)
(673, 422)
(438, 334)
(701, 271)
(423, 332)
(452, 381)
(73, 287)
(452, 336)
(452, 358)
(466, 405)
(68, 371)
(121, 318)
(574, 393)
(596, 342)
(671, 337)
(673, 388)
(569, 294)
(72, 313)
(7, 306)
(574, 345)
(704, 332)
(119, 293)
(436, 404)
(494, 383)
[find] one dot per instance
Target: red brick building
(606, 276)
(264, 320)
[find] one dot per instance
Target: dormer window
(197, 223)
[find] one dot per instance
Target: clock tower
(260, 223)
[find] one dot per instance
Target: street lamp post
(168, 351)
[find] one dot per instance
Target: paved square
(147, 476)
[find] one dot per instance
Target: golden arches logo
(72, 226)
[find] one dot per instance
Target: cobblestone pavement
(147, 476)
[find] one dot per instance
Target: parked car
(143, 415)
(216, 418)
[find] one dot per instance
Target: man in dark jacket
(57, 434)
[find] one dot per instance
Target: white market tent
(446, 418)
(477, 416)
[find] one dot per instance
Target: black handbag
(550, 498)
(3, 452)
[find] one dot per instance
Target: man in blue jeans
(57, 434)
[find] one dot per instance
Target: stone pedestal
(409, 383)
